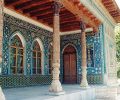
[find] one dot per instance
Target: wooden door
(69, 57)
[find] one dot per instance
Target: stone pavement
(41, 93)
(73, 92)
(107, 93)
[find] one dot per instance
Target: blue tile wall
(30, 32)
(96, 41)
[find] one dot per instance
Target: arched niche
(40, 58)
(17, 54)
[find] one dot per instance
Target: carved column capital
(95, 30)
(1, 2)
(1, 7)
(82, 26)
(57, 6)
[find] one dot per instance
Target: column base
(56, 88)
(57, 93)
(2, 97)
(84, 84)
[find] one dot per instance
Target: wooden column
(56, 85)
(84, 82)
(2, 97)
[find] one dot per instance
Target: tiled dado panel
(11, 81)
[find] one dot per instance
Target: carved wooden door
(69, 58)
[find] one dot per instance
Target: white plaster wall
(110, 55)
(100, 12)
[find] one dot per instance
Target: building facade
(29, 51)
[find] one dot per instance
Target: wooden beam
(51, 14)
(35, 13)
(10, 2)
(106, 1)
(67, 19)
(117, 18)
(77, 12)
(42, 15)
(111, 9)
(63, 17)
(73, 27)
(70, 28)
(114, 12)
(115, 15)
(48, 17)
(16, 3)
(31, 3)
(46, 13)
(70, 23)
(63, 20)
(110, 3)
(38, 7)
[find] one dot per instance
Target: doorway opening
(69, 65)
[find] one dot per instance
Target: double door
(70, 76)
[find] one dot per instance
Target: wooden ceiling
(113, 9)
(42, 11)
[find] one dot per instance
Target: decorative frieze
(57, 7)
(25, 25)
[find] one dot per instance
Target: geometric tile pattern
(30, 32)
(93, 72)
(11, 81)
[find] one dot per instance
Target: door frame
(76, 60)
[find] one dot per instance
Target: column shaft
(84, 82)
(56, 85)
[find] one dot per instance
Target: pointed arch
(37, 57)
(17, 33)
(69, 44)
(17, 54)
(69, 64)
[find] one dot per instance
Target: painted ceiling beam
(74, 8)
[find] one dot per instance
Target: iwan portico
(70, 40)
